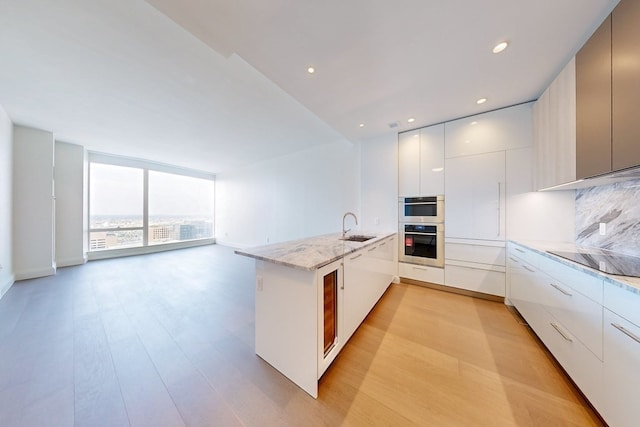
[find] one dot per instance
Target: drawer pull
(371, 250)
(561, 290)
(513, 259)
(626, 332)
(519, 250)
(561, 332)
(382, 244)
(355, 257)
(419, 269)
(529, 269)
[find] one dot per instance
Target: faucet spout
(344, 217)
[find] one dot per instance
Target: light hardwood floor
(167, 340)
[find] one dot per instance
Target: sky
(118, 190)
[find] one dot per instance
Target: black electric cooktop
(607, 262)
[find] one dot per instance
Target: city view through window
(180, 208)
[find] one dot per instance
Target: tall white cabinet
(476, 153)
(421, 162)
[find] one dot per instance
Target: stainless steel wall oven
(422, 243)
(421, 209)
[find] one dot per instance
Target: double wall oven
(421, 229)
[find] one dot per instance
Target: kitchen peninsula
(312, 294)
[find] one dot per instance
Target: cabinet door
(358, 291)
(475, 198)
(498, 130)
(593, 104)
(621, 373)
(626, 84)
(409, 164)
(432, 160)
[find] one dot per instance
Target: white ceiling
(217, 84)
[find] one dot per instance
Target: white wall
(33, 220)
(70, 239)
(6, 191)
(380, 183)
(290, 197)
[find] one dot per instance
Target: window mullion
(145, 208)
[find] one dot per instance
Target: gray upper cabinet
(593, 104)
(625, 44)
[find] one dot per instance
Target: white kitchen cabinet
(568, 323)
(421, 162)
(421, 273)
(367, 275)
(475, 196)
(621, 373)
(475, 265)
(554, 131)
(500, 130)
(409, 164)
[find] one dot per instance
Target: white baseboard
(4, 287)
(71, 261)
(32, 274)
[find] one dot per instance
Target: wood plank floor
(167, 340)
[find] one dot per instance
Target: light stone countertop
(631, 284)
(313, 252)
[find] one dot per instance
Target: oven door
(422, 244)
(421, 209)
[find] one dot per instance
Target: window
(135, 204)
(180, 208)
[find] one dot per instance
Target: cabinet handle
(371, 250)
(626, 332)
(561, 332)
(519, 250)
(513, 259)
(529, 269)
(560, 289)
(498, 210)
(382, 244)
(355, 257)
(420, 269)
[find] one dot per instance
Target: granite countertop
(632, 284)
(310, 253)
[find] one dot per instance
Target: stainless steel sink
(357, 238)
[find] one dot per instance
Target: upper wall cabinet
(488, 132)
(625, 43)
(608, 95)
(554, 131)
(421, 162)
(593, 104)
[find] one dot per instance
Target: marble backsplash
(617, 205)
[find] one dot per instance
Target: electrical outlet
(603, 228)
(259, 284)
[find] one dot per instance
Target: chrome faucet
(344, 217)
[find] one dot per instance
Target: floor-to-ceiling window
(135, 204)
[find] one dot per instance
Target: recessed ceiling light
(473, 123)
(411, 119)
(311, 70)
(416, 135)
(500, 47)
(361, 125)
(481, 101)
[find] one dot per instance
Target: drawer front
(475, 279)
(622, 302)
(590, 286)
(475, 253)
(524, 254)
(579, 314)
(421, 273)
(584, 368)
(621, 373)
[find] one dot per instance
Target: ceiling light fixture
(481, 101)
(361, 125)
(500, 47)
(311, 70)
(473, 123)
(411, 119)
